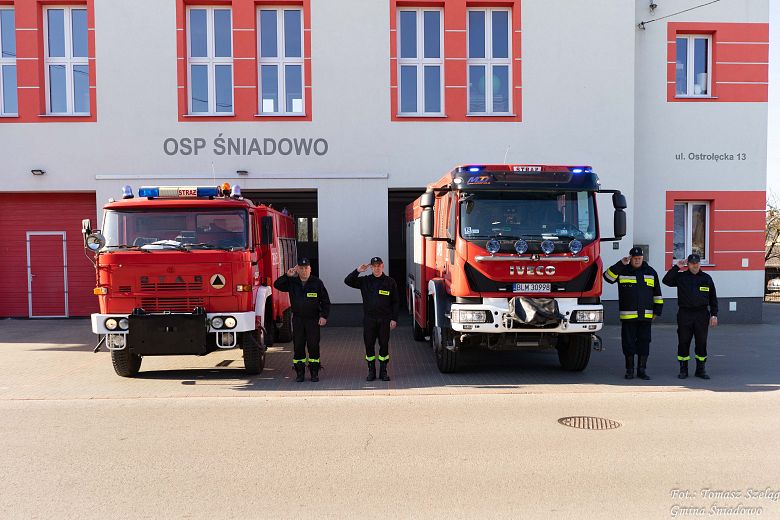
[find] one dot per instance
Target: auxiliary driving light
(111, 324)
(230, 322)
(493, 246)
(548, 247)
(217, 322)
(521, 246)
(575, 246)
(124, 324)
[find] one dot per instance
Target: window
(420, 65)
(306, 229)
(66, 60)
(210, 61)
(280, 66)
(489, 35)
(693, 66)
(691, 229)
(8, 98)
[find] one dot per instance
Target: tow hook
(598, 345)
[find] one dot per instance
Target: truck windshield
(150, 230)
(528, 214)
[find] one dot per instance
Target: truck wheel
(417, 332)
(254, 353)
(126, 363)
(574, 351)
(446, 360)
(269, 326)
(284, 333)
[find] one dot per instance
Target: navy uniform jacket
(308, 300)
(380, 295)
(694, 291)
(638, 289)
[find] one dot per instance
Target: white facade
(593, 92)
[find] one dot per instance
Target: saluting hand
(322, 322)
(362, 268)
(292, 272)
(625, 260)
(680, 264)
(714, 321)
(393, 324)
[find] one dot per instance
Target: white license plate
(531, 287)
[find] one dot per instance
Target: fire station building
(342, 111)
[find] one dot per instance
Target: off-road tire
(126, 363)
(254, 353)
(446, 359)
(284, 333)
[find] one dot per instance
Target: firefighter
(640, 303)
(380, 312)
(310, 308)
(697, 308)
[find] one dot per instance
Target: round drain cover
(589, 423)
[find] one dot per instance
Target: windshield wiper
(126, 247)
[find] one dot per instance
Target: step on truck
(504, 257)
(188, 270)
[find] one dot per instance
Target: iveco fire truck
(188, 270)
(507, 257)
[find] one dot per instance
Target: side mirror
(619, 201)
(95, 241)
(620, 222)
(266, 230)
(427, 199)
(426, 222)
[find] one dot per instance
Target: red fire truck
(188, 270)
(507, 257)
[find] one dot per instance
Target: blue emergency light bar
(178, 191)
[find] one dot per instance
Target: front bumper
(245, 321)
(503, 322)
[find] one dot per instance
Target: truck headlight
(111, 324)
(124, 324)
(230, 322)
(588, 317)
(217, 322)
(459, 316)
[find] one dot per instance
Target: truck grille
(183, 304)
(171, 286)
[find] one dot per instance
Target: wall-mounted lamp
(242, 172)
(37, 172)
(653, 6)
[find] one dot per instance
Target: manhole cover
(589, 423)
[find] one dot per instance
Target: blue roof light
(127, 192)
(474, 169)
(148, 191)
(208, 191)
(576, 170)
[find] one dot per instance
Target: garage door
(45, 271)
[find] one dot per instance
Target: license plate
(531, 287)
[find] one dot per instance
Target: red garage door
(45, 271)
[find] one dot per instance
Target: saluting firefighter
(380, 313)
(640, 303)
(310, 308)
(698, 309)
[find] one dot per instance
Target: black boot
(683, 370)
(641, 367)
(700, 371)
(300, 372)
(383, 371)
(314, 371)
(630, 367)
(371, 371)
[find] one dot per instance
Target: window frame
(210, 61)
(8, 62)
(705, 258)
(68, 60)
(690, 60)
(489, 62)
(420, 61)
(280, 61)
